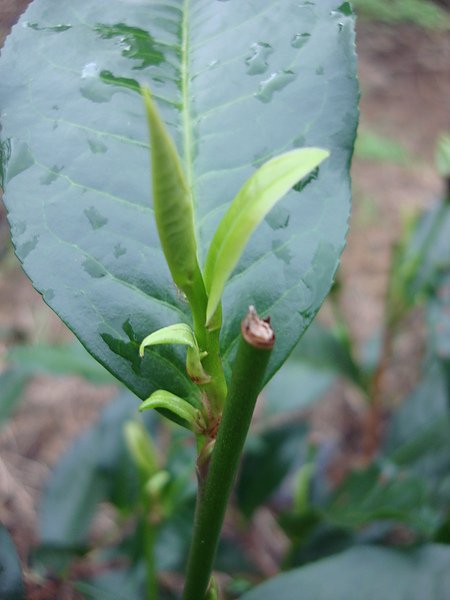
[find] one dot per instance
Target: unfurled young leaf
(172, 203)
(180, 333)
(140, 447)
(178, 406)
(255, 199)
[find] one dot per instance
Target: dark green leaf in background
(268, 459)
(96, 468)
(12, 386)
(11, 585)
(236, 83)
(63, 359)
(366, 573)
(373, 495)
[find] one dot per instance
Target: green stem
(248, 372)
(216, 390)
(149, 549)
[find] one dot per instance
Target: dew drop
(257, 61)
(274, 83)
(300, 39)
(90, 70)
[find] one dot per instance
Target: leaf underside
(236, 83)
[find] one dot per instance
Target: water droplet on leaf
(300, 39)
(275, 83)
(257, 61)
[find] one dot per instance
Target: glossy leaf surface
(367, 573)
(236, 83)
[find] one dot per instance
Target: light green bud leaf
(157, 483)
(180, 333)
(255, 199)
(213, 590)
(140, 447)
(169, 401)
(172, 201)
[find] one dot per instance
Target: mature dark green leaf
(422, 423)
(236, 83)
(268, 458)
(428, 250)
(308, 372)
(373, 495)
(322, 349)
(313, 539)
(11, 585)
(64, 359)
(114, 585)
(366, 573)
(418, 436)
(438, 316)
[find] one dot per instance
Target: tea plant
(249, 103)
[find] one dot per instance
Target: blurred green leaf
(421, 425)
(443, 156)
(64, 359)
(12, 386)
(11, 584)
(96, 468)
(428, 251)
(372, 495)
(268, 459)
(423, 13)
(366, 573)
(438, 317)
(119, 584)
(370, 145)
(418, 436)
(322, 349)
(318, 359)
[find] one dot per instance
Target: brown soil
(405, 81)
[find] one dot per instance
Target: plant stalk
(256, 343)
(149, 550)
